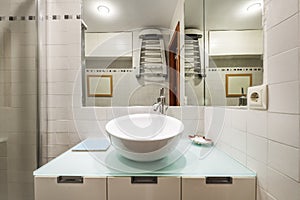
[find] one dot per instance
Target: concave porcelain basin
(144, 137)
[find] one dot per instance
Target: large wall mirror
(229, 36)
(128, 42)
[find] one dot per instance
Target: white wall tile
(56, 150)
(62, 138)
(257, 148)
(261, 171)
(59, 114)
(85, 113)
(284, 128)
(60, 88)
(100, 113)
(284, 67)
(114, 112)
(239, 156)
(191, 127)
(226, 135)
(281, 40)
(175, 111)
(3, 163)
(278, 10)
(284, 97)
(257, 123)
(59, 101)
(214, 120)
(63, 8)
(284, 159)
(282, 187)
(239, 140)
(58, 126)
(239, 119)
(87, 126)
(192, 112)
(261, 194)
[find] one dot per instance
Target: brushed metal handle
(143, 180)
(70, 179)
(218, 180)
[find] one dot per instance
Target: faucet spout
(156, 106)
(161, 102)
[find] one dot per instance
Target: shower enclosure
(19, 99)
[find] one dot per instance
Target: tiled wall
(265, 141)
(64, 121)
(268, 141)
(67, 128)
(18, 94)
(60, 60)
(3, 169)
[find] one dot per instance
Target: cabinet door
(69, 188)
(218, 188)
(146, 188)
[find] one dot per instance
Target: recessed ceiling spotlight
(254, 7)
(103, 10)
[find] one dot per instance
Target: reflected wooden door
(174, 68)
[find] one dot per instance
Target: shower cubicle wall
(18, 98)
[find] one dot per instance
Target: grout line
(268, 28)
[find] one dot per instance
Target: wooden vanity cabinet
(70, 188)
(218, 188)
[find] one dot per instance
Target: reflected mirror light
(254, 7)
(103, 10)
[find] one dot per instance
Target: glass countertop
(188, 160)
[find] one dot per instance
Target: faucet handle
(162, 92)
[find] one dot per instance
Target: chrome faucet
(161, 102)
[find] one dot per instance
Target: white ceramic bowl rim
(144, 127)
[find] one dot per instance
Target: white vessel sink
(144, 137)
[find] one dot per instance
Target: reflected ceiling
(128, 14)
(222, 15)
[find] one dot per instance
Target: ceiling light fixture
(103, 10)
(254, 7)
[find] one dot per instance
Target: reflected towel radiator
(152, 57)
(192, 62)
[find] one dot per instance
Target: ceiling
(128, 14)
(222, 15)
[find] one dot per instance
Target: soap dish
(198, 139)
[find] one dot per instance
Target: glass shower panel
(18, 99)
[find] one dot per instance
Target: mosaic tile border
(17, 18)
(108, 70)
(224, 69)
(32, 17)
(243, 69)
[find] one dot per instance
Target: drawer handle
(70, 179)
(218, 180)
(143, 180)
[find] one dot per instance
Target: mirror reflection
(233, 40)
(135, 44)
(127, 41)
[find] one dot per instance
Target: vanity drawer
(148, 188)
(218, 188)
(70, 188)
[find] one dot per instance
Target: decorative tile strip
(108, 70)
(47, 17)
(243, 69)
